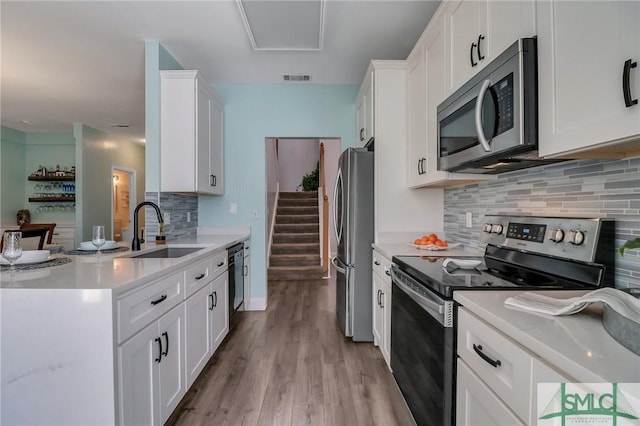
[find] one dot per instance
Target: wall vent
(296, 77)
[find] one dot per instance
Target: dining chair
(34, 232)
(50, 227)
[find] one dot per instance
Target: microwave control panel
(503, 97)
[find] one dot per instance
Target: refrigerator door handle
(339, 268)
(335, 208)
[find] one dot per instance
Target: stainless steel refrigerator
(353, 225)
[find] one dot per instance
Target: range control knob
(487, 227)
(557, 235)
(496, 229)
(576, 237)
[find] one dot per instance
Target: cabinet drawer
(197, 276)
(144, 306)
(382, 266)
(220, 262)
(510, 375)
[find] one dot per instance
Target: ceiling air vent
(296, 77)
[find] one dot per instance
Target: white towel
(621, 302)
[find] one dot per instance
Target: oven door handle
(479, 130)
(425, 303)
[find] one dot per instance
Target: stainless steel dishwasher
(236, 277)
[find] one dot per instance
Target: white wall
(96, 154)
(296, 158)
(332, 151)
(271, 169)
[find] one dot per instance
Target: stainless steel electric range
(521, 253)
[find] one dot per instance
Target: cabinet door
(476, 404)
(220, 311)
(216, 150)
(385, 302)
(466, 26)
(138, 378)
(369, 110)
(507, 21)
(198, 332)
(417, 117)
(203, 125)
(247, 281)
(378, 314)
(582, 49)
(171, 366)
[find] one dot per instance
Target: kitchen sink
(167, 253)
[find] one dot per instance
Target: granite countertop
(577, 345)
(116, 272)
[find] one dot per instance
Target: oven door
(422, 350)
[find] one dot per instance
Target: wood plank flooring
(290, 365)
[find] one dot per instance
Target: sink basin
(168, 253)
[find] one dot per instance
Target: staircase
(295, 251)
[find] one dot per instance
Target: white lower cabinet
(476, 404)
(207, 324)
(168, 331)
(497, 379)
(382, 304)
(150, 374)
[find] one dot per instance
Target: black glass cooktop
(429, 272)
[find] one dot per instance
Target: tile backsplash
(582, 188)
(177, 205)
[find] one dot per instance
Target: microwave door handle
(479, 130)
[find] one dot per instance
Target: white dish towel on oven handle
(623, 303)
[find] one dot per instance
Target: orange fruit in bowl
(433, 236)
(417, 242)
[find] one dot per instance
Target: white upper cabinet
(425, 90)
(479, 30)
(364, 111)
(191, 135)
(589, 80)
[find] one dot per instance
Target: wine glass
(12, 248)
(97, 238)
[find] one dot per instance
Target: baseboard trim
(256, 304)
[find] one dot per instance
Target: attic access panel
(283, 25)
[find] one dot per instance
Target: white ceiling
(83, 61)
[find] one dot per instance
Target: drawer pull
(375, 262)
(494, 363)
(161, 299)
(220, 264)
(160, 350)
(201, 276)
(387, 273)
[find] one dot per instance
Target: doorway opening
(122, 192)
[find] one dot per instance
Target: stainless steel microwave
(490, 124)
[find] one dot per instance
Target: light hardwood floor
(290, 365)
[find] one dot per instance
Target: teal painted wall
(12, 174)
(254, 112)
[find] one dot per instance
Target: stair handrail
(325, 212)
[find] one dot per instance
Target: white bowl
(29, 256)
(88, 246)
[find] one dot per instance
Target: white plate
(88, 246)
(434, 247)
(29, 256)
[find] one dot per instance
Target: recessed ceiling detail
(284, 25)
(296, 77)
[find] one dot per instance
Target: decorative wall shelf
(53, 178)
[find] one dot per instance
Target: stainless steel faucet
(135, 244)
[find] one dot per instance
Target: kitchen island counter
(118, 272)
